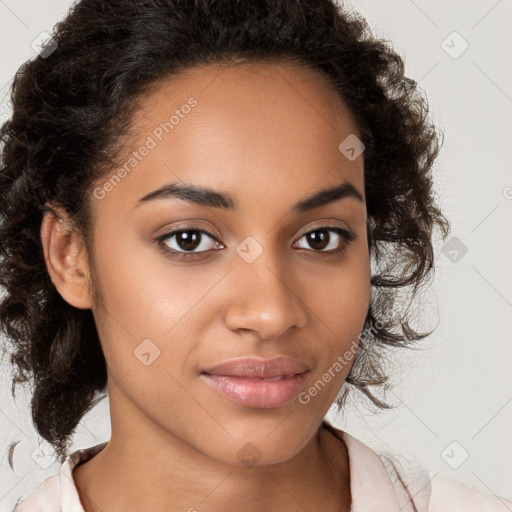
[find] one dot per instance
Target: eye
(321, 239)
(188, 240)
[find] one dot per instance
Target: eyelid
(325, 224)
(167, 235)
(189, 226)
(347, 235)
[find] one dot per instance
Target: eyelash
(347, 237)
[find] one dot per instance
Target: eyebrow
(209, 197)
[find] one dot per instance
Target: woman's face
(257, 269)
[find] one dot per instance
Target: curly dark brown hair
(71, 107)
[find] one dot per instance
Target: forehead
(248, 87)
(256, 126)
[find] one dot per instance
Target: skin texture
(268, 136)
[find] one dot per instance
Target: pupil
(188, 240)
(318, 239)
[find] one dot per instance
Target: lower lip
(258, 393)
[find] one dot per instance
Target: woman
(194, 196)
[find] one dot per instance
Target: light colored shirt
(378, 483)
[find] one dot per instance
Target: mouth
(258, 383)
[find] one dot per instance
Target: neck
(141, 470)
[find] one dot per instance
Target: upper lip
(252, 367)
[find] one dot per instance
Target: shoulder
(58, 492)
(435, 492)
(45, 499)
(415, 489)
(455, 496)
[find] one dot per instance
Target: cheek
(149, 304)
(143, 296)
(341, 311)
(342, 316)
(148, 317)
(339, 297)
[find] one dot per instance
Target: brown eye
(327, 239)
(318, 239)
(188, 240)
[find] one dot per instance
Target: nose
(264, 298)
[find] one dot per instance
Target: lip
(258, 383)
(257, 368)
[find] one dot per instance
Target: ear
(66, 258)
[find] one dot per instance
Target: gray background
(454, 397)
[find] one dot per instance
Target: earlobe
(66, 258)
